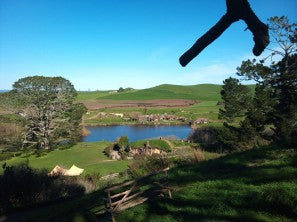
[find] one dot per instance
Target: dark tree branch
(236, 9)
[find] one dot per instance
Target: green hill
(202, 92)
(166, 91)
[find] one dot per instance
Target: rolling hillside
(197, 92)
(202, 92)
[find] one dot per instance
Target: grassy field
(207, 96)
(206, 109)
(91, 95)
(203, 92)
(86, 155)
(255, 185)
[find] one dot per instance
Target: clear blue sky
(107, 44)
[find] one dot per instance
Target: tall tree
(236, 99)
(277, 81)
(49, 109)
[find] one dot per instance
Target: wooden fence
(120, 198)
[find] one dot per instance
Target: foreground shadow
(256, 185)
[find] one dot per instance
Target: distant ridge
(4, 90)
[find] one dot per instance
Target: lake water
(134, 133)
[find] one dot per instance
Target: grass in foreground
(256, 185)
(86, 155)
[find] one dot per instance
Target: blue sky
(107, 44)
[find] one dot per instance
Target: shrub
(22, 186)
(161, 144)
(206, 136)
(198, 156)
(6, 156)
(227, 138)
(108, 150)
(10, 133)
(144, 165)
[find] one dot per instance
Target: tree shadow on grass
(255, 185)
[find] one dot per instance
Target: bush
(227, 138)
(6, 156)
(22, 186)
(108, 150)
(207, 137)
(144, 165)
(161, 144)
(10, 134)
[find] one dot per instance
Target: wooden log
(120, 186)
(132, 181)
(119, 194)
(129, 198)
(133, 203)
(125, 196)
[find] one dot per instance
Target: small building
(115, 155)
(201, 121)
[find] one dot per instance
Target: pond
(134, 133)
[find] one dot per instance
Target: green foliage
(12, 101)
(49, 109)
(260, 112)
(274, 104)
(21, 186)
(109, 149)
(123, 141)
(121, 89)
(144, 165)
(275, 99)
(236, 99)
(161, 144)
(6, 155)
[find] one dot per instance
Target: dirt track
(99, 104)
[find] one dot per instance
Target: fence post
(110, 207)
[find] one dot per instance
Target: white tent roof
(74, 171)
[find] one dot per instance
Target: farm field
(192, 102)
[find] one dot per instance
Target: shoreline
(135, 124)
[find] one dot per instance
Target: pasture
(89, 156)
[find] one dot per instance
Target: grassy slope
(256, 185)
(166, 91)
(92, 95)
(88, 156)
